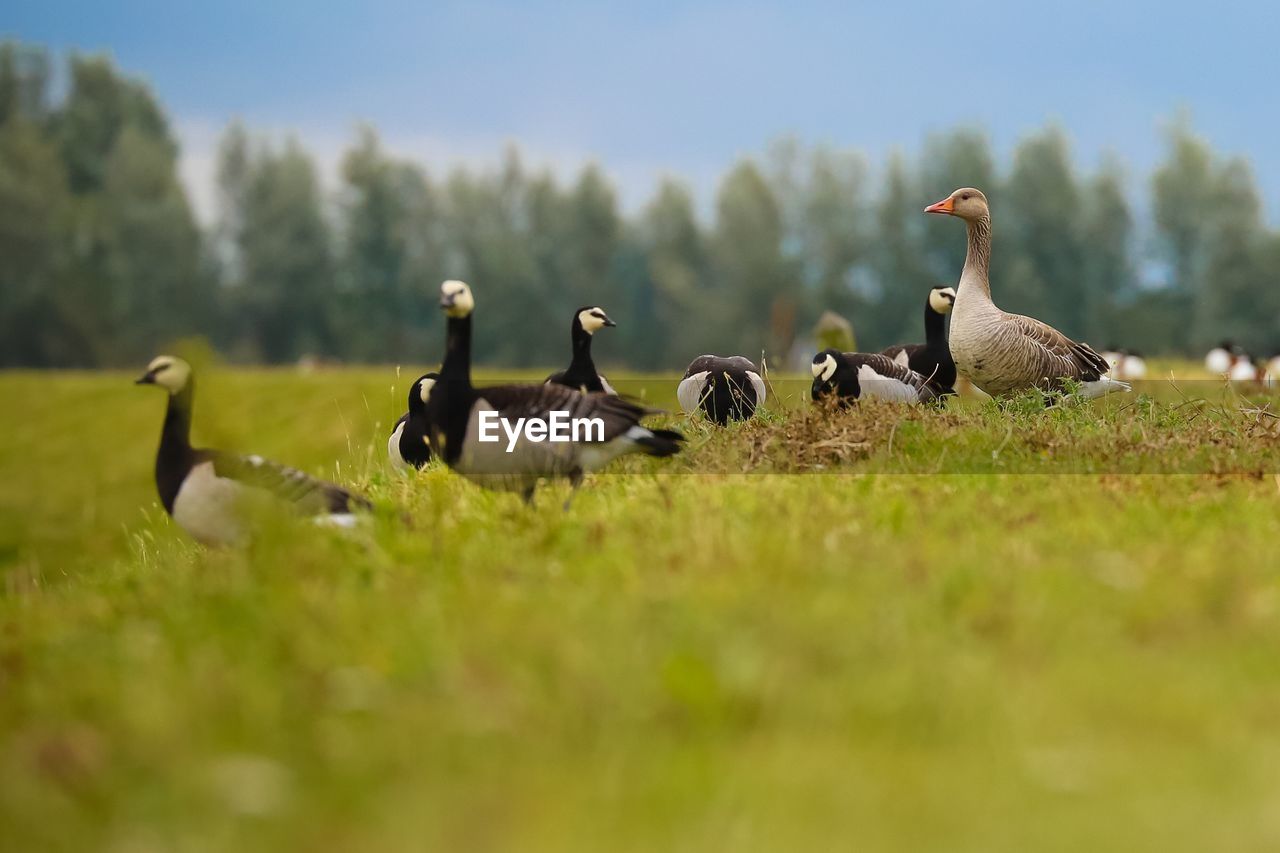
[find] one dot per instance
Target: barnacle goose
(855, 375)
(407, 447)
(455, 407)
(203, 490)
(724, 389)
(581, 374)
(932, 358)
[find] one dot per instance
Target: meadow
(984, 628)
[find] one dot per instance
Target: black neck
(177, 419)
(174, 458)
(935, 325)
(581, 350)
(455, 371)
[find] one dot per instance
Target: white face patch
(456, 295)
(825, 368)
(424, 388)
(170, 372)
(591, 320)
(942, 299)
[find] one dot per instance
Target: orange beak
(947, 205)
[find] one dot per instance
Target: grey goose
(1003, 353)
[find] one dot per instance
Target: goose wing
(307, 493)
(891, 378)
(1056, 355)
(539, 401)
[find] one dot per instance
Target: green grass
(968, 630)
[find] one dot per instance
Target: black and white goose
(862, 375)
(932, 358)
(457, 413)
(407, 447)
(581, 375)
(206, 491)
(725, 389)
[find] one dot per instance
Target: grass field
(972, 630)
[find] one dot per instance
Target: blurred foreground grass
(990, 657)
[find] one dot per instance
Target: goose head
(591, 319)
(168, 371)
(824, 365)
(967, 203)
(456, 300)
(421, 390)
(941, 299)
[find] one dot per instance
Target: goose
(204, 490)
(725, 389)
(457, 414)
(1006, 353)
(581, 373)
(855, 375)
(1273, 367)
(1218, 360)
(1133, 367)
(407, 447)
(1244, 369)
(933, 357)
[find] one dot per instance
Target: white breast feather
(758, 384)
(608, 389)
(206, 507)
(393, 447)
(689, 391)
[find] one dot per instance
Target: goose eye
(964, 197)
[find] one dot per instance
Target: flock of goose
(1000, 353)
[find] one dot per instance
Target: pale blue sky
(686, 87)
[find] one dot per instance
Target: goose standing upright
(457, 414)
(1004, 353)
(724, 389)
(205, 491)
(931, 359)
(581, 374)
(408, 445)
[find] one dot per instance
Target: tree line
(104, 262)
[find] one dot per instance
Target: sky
(648, 89)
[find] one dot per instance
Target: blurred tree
(1235, 287)
(749, 273)
(24, 82)
(391, 256)
(678, 267)
(1044, 272)
(36, 324)
(153, 287)
(98, 107)
(1183, 188)
(1108, 278)
(902, 278)
(282, 297)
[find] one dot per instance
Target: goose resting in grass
(1002, 353)
(931, 359)
(207, 491)
(581, 375)
(407, 447)
(457, 413)
(724, 389)
(859, 375)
